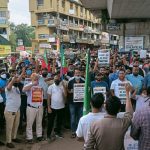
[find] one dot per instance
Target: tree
(13, 37)
(22, 31)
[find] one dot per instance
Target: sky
(19, 11)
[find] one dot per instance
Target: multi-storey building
(4, 16)
(66, 19)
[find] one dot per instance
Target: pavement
(66, 143)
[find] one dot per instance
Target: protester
(56, 103)
(118, 88)
(147, 80)
(99, 83)
(142, 99)
(113, 76)
(43, 83)
(111, 129)
(34, 107)
(136, 79)
(140, 129)
(76, 108)
(96, 102)
(12, 113)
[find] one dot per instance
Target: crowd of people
(42, 97)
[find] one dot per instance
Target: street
(60, 144)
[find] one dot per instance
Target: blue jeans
(76, 112)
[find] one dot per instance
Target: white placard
(143, 53)
(122, 92)
(78, 92)
(105, 38)
(129, 142)
(133, 43)
(104, 56)
(100, 90)
(27, 80)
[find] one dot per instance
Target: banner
(100, 90)
(134, 43)
(104, 56)
(37, 94)
(78, 92)
(5, 49)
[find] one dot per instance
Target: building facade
(67, 20)
(4, 16)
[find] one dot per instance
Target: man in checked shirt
(140, 129)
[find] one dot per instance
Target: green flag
(45, 56)
(87, 90)
(64, 64)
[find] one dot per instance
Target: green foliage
(22, 31)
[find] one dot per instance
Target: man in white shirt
(12, 112)
(118, 88)
(56, 103)
(97, 102)
(34, 107)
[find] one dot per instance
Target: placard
(104, 56)
(143, 53)
(122, 92)
(78, 92)
(134, 43)
(100, 90)
(129, 142)
(27, 80)
(37, 94)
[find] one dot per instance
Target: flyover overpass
(121, 9)
(132, 16)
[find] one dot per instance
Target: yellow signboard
(5, 49)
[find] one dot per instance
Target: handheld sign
(27, 80)
(37, 94)
(100, 90)
(78, 92)
(122, 92)
(104, 56)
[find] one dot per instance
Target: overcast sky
(19, 11)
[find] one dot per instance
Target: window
(3, 14)
(40, 2)
(43, 36)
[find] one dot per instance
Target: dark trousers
(23, 108)
(44, 113)
(2, 120)
(76, 112)
(51, 119)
